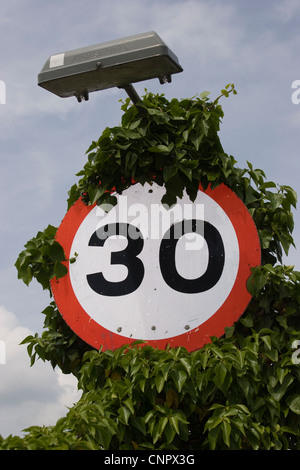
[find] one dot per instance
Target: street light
(117, 63)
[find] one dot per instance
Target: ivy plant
(42, 259)
(240, 391)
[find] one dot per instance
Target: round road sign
(167, 276)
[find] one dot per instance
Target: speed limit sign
(167, 276)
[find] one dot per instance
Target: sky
(43, 138)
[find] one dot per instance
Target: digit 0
(215, 262)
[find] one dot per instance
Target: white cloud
(29, 396)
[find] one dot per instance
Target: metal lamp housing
(117, 63)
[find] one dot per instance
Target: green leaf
(226, 430)
(57, 252)
(213, 437)
(169, 200)
(25, 275)
(91, 147)
(204, 94)
(266, 237)
(149, 416)
(159, 428)
(267, 340)
(268, 184)
(107, 202)
(169, 172)
(212, 423)
(275, 199)
(187, 364)
(95, 193)
(49, 232)
(124, 414)
(106, 432)
(131, 158)
(285, 241)
(294, 404)
(129, 404)
(159, 383)
(28, 339)
(73, 194)
(175, 419)
(187, 171)
(139, 423)
(196, 139)
(256, 281)
(153, 111)
(220, 374)
(240, 425)
(291, 195)
(60, 270)
(179, 378)
(164, 149)
(169, 433)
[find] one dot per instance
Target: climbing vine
(240, 391)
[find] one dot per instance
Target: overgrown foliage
(240, 391)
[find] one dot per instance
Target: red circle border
(229, 312)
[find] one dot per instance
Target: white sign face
(129, 299)
(167, 276)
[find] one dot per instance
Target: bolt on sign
(167, 276)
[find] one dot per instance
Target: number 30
(136, 270)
